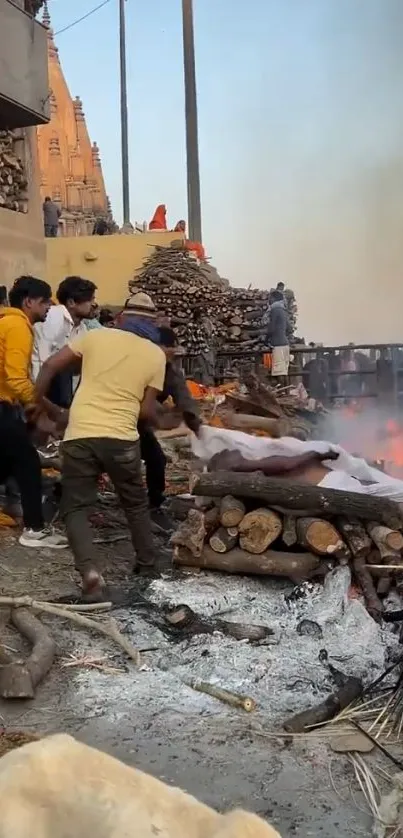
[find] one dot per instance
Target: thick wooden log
(258, 529)
(16, 681)
(295, 566)
(325, 711)
(285, 493)
(182, 619)
(384, 585)
(211, 521)
(319, 536)
(289, 535)
(355, 535)
(43, 651)
(364, 578)
(224, 539)
(232, 510)
(191, 532)
(388, 541)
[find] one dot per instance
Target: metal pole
(123, 114)
(192, 142)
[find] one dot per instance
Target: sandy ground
(150, 719)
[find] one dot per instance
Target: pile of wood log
(249, 523)
(13, 178)
(180, 287)
(269, 410)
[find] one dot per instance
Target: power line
(84, 17)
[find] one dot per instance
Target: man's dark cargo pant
(84, 460)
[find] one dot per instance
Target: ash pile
(185, 290)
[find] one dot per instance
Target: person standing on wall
(76, 301)
(121, 377)
(51, 215)
(278, 338)
(29, 303)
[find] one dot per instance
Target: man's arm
(48, 335)
(178, 390)
(56, 363)
(149, 406)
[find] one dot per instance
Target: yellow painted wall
(109, 261)
(22, 243)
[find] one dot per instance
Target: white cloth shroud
(346, 471)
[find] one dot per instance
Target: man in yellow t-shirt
(122, 374)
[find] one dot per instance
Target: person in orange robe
(196, 248)
(159, 219)
(180, 227)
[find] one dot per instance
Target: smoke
(373, 432)
(312, 172)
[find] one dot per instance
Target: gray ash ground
(151, 719)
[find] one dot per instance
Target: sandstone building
(23, 105)
(70, 166)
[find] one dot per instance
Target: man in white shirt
(76, 298)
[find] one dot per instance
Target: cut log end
(224, 540)
(320, 536)
(232, 510)
(259, 529)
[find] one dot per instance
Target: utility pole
(123, 114)
(192, 141)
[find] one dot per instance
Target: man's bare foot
(93, 588)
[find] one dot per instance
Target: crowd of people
(101, 388)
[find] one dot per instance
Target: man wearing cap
(123, 371)
(139, 316)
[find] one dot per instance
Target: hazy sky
(300, 123)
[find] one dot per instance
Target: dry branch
(183, 620)
(243, 702)
(327, 710)
(363, 575)
(108, 629)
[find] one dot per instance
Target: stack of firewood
(13, 179)
(180, 287)
(249, 523)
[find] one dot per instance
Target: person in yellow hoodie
(29, 301)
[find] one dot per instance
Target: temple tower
(70, 167)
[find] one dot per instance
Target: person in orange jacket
(29, 304)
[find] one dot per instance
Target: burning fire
(378, 440)
(391, 448)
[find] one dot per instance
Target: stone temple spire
(71, 170)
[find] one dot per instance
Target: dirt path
(147, 718)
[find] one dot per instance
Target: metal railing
(329, 373)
